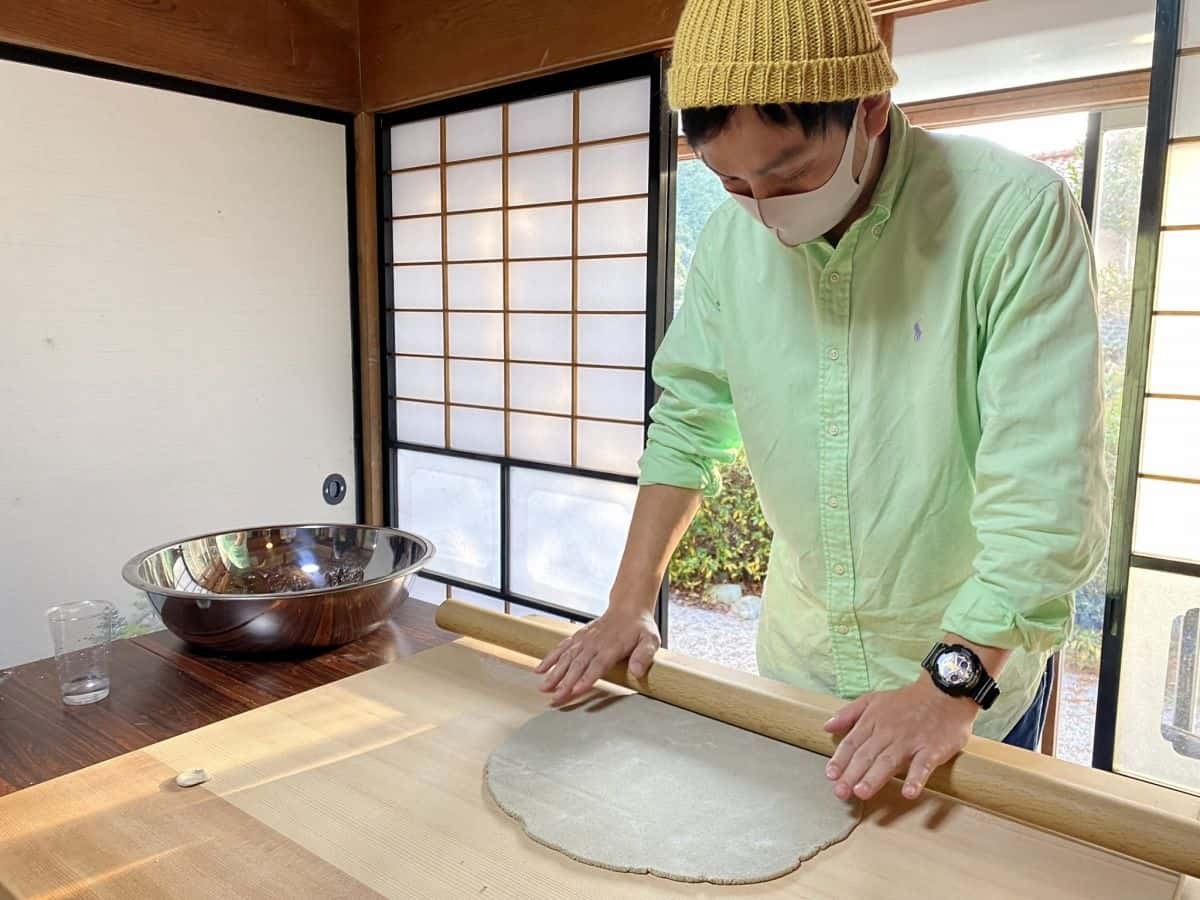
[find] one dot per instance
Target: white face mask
(799, 218)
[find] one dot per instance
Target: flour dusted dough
(635, 785)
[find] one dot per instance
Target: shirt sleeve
(692, 425)
(1042, 501)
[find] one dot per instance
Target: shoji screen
(1158, 710)
(521, 281)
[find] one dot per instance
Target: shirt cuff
(662, 465)
(988, 617)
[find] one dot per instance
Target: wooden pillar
(886, 26)
(371, 398)
(1050, 732)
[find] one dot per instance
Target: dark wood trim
(1161, 564)
(302, 50)
(160, 689)
(1090, 183)
(371, 55)
(886, 26)
(91, 68)
(356, 320)
(1073, 95)
(368, 317)
(501, 42)
(1050, 729)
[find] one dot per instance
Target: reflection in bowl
(263, 590)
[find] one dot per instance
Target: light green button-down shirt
(921, 410)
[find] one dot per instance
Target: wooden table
(160, 691)
(373, 786)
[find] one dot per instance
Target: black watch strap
(984, 693)
(987, 692)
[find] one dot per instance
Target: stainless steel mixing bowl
(282, 587)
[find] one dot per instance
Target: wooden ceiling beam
(405, 60)
(1072, 95)
(302, 50)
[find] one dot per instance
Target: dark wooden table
(160, 689)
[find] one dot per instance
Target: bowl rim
(130, 569)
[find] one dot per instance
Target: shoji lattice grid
(1158, 706)
(524, 273)
(518, 259)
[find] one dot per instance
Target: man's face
(757, 158)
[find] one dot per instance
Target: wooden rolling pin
(1081, 803)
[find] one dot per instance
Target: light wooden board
(373, 785)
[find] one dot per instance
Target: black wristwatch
(958, 671)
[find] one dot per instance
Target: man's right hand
(575, 665)
(627, 630)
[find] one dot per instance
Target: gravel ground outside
(728, 639)
(721, 637)
(1076, 716)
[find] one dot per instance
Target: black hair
(702, 124)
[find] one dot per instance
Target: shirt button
(834, 355)
(834, 278)
(839, 570)
(877, 231)
(833, 502)
(833, 429)
(843, 629)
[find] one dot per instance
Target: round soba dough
(635, 785)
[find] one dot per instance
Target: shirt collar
(895, 168)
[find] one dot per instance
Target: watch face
(955, 668)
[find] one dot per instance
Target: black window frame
(1122, 559)
(660, 254)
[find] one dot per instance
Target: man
(909, 352)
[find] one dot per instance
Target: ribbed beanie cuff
(810, 81)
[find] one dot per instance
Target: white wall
(175, 344)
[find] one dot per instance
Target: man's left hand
(917, 728)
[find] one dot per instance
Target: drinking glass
(82, 631)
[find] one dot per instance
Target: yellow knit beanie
(740, 52)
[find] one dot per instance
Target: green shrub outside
(729, 541)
